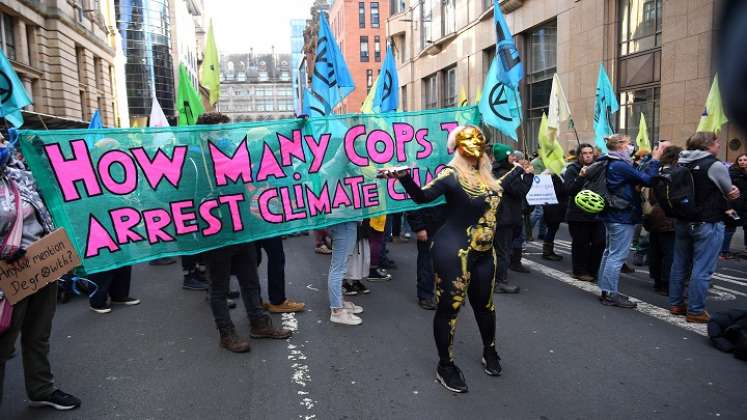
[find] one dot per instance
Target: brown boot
(262, 328)
(678, 310)
(701, 318)
(230, 341)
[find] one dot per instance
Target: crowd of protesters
(682, 253)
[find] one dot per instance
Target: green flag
(550, 151)
(210, 68)
(642, 139)
(713, 116)
(188, 102)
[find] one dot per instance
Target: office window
(448, 88)
(397, 6)
(364, 49)
(541, 65)
(361, 14)
(430, 93)
(83, 105)
(634, 102)
(369, 80)
(98, 72)
(448, 17)
(426, 17)
(374, 14)
(403, 96)
(7, 35)
(640, 25)
(377, 48)
(80, 58)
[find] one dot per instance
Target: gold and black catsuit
(463, 256)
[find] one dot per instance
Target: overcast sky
(243, 24)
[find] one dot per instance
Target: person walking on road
(425, 222)
(698, 242)
(738, 174)
(278, 302)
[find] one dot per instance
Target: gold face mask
(470, 142)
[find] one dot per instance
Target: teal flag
(331, 80)
(500, 104)
(386, 98)
(134, 197)
(606, 105)
(13, 96)
(512, 70)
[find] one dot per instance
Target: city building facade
(256, 87)
(360, 30)
(310, 35)
(657, 54)
(61, 51)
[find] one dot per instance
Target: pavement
(565, 356)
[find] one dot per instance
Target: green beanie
(501, 152)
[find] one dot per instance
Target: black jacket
(554, 214)
(515, 189)
(572, 185)
(428, 219)
(739, 179)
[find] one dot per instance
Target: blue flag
(387, 87)
(606, 104)
(506, 51)
(95, 120)
(500, 104)
(331, 80)
(13, 96)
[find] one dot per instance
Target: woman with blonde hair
(463, 254)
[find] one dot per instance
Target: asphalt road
(565, 356)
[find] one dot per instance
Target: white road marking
(300, 372)
(643, 307)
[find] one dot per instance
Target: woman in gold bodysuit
(463, 256)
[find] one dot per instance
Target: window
(640, 25)
(361, 14)
(632, 104)
(426, 16)
(397, 6)
(448, 88)
(404, 98)
(79, 13)
(7, 35)
(541, 65)
(374, 14)
(364, 49)
(80, 57)
(486, 4)
(98, 72)
(369, 80)
(430, 98)
(448, 13)
(83, 106)
(377, 48)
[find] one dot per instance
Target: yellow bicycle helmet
(589, 201)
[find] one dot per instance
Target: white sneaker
(352, 307)
(344, 317)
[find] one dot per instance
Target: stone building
(61, 51)
(656, 52)
(256, 87)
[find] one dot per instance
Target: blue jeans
(619, 238)
(344, 237)
(537, 216)
(695, 245)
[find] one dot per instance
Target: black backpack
(674, 190)
(596, 181)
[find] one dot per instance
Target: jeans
(538, 215)
(587, 245)
(660, 255)
(275, 269)
(344, 237)
(240, 260)
(32, 319)
(426, 278)
(113, 283)
(728, 234)
(619, 238)
(695, 245)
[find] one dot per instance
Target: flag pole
(573, 125)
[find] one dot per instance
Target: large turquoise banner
(130, 195)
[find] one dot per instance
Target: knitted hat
(501, 152)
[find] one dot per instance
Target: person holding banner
(463, 254)
(23, 220)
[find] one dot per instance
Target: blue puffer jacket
(622, 180)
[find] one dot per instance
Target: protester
(553, 215)
(697, 242)
(661, 230)
(112, 288)
(426, 222)
(241, 261)
(374, 229)
(359, 263)
(463, 253)
(623, 212)
(509, 231)
(738, 174)
(278, 302)
(24, 219)
(586, 229)
(344, 239)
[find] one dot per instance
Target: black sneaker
(58, 400)
(616, 299)
(233, 294)
(451, 378)
(348, 289)
(193, 281)
(360, 287)
(427, 304)
(378, 274)
(491, 362)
